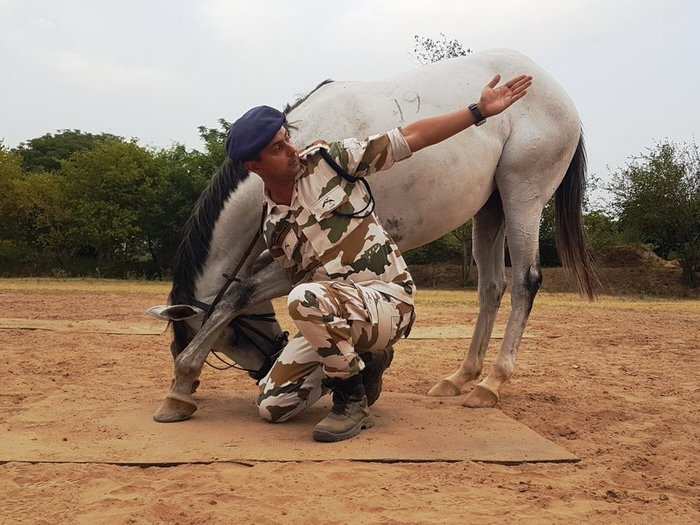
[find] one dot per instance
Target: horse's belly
(437, 190)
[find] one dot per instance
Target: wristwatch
(479, 118)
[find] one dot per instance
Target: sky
(158, 69)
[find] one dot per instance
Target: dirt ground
(615, 382)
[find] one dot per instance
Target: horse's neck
(233, 232)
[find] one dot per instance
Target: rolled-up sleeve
(379, 152)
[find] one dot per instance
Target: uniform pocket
(329, 202)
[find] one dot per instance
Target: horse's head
(245, 329)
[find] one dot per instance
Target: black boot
(349, 414)
(375, 364)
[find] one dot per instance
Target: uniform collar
(271, 204)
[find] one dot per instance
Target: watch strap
(479, 118)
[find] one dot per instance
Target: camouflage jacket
(313, 243)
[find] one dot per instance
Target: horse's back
(456, 176)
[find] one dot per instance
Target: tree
(657, 199)
(215, 144)
(428, 51)
(183, 175)
(109, 190)
(10, 173)
(46, 153)
(602, 230)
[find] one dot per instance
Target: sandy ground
(615, 382)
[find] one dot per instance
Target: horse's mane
(193, 249)
(302, 99)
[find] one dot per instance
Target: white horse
(502, 174)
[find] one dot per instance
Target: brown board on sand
(65, 427)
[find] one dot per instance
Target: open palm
(496, 99)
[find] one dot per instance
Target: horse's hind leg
(488, 245)
(522, 231)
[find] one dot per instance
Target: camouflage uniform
(353, 289)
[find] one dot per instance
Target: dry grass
(41, 284)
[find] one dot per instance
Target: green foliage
(215, 143)
(111, 208)
(548, 245)
(10, 173)
(108, 190)
(444, 249)
(602, 231)
(45, 153)
(657, 200)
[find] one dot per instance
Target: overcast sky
(157, 69)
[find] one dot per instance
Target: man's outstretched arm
(429, 131)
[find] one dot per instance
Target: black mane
(194, 247)
(301, 100)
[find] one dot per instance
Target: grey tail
(570, 235)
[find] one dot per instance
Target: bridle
(243, 323)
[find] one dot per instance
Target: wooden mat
(70, 427)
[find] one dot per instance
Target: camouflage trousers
(335, 321)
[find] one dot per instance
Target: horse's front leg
(269, 282)
(179, 403)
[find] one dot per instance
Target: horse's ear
(175, 312)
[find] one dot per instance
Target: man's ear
(250, 165)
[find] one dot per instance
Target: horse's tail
(571, 239)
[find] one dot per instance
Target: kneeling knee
(276, 414)
(303, 294)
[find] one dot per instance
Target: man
(353, 296)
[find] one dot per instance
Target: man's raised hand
(496, 99)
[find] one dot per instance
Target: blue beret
(250, 134)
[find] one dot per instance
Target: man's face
(279, 160)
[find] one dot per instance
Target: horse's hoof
(175, 408)
(481, 397)
(444, 388)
